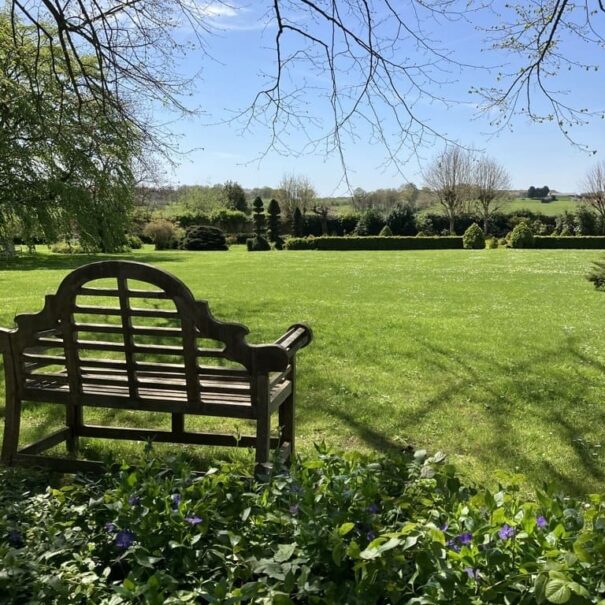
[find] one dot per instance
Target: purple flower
(444, 527)
(506, 532)
(294, 509)
(110, 527)
(473, 574)
(193, 520)
(371, 535)
(465, 538)
(541, 522)
(134, 500)
(452, 544)
(373, 509)
(15, 539)
(124, 539)
(175, 500)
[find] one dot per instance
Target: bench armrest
(276, 357)
(296, 337)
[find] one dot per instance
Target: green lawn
(496, 357)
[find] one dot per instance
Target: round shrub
(163, 233)
(491, 243)
(258, 244)
(202, 237)
(521, 236)
(474, 238)
(134, 242)
(370, 223)
(386, 232)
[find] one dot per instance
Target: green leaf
(557, 591)
(284, 552)
(345, 528)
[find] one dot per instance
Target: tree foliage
(450, 176)
(235, 197)
(66, 167)
(490, 182)
(594, 191)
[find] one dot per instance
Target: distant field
(496, 357)
(550, 209)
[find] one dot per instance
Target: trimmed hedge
(582, 242)
(375, 243)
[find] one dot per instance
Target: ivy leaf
(557, 591)
(284, 552)
(345, 528)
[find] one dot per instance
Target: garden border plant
(356, 529)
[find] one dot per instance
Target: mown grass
(496, 356)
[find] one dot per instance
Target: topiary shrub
(521, 236)
(258, 244)
(386, 232)
(202, 237)
(473, 238)
(275, 224)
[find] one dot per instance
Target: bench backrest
(138, 321)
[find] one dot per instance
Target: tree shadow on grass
(35, 262)
(531, 390)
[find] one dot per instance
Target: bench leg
(287, 427)
(287, 420)
(263, 442)
(74, 421)
(12, 422)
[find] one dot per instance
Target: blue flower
(110, 527)
(452, 544)
(175, 500)
(193, 520)
(134, 500)
(444, 527)
(541, 522)
(373, 508)
(295, 488)
(465, 538)
(473, 574)
(506, 532)
(124, 539)
(371, 535)
(294, 509)
(15, 539)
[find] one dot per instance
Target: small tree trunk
(452, 228)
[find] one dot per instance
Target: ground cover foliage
(494, 356)
(349, 529)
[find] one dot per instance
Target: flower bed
(336, 529)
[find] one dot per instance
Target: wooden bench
(126, 335)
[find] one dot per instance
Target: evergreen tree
(236, 197)
(297, 223)
(275, 224)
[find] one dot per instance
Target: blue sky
(242, 49)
